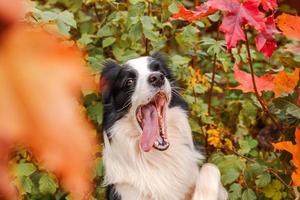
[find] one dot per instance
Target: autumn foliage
(236, 63)
(40, 84)
(237, 15)
(294, 149)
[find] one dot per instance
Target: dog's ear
(109, 75)
(161, 58)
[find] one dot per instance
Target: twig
(278, 177)
(96, 12)
(212, 84)
(297, 194)
(146, 41)
(260, 100)
(272, 171)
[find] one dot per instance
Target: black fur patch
(116, 93)
(111, 193)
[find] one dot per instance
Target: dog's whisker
(176, 93)
(125, 106)
(176, 87)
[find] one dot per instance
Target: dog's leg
(128, 192)
(209, 186)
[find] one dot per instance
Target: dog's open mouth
(151, 117)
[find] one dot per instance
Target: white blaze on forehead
(141, 65)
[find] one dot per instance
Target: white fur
(157, 175)
(144, 92)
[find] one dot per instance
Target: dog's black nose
(156, 79)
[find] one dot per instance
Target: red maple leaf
(263, 83)
(265, 41)
(269, 4)
(237, 15)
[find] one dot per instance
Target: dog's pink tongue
(150, 127)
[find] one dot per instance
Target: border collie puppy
(149, 152)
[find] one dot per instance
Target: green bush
(231, 125)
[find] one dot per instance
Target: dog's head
(140, 88)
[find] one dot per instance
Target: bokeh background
(52, 150)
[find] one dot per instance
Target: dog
(148, 147)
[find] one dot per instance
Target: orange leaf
(289, 25)
(294, 149)
(39, 105)
(298, 102)
(284, 83)
(11, 11)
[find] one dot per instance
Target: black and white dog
(149, 152)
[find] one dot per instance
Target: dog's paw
(209, 186)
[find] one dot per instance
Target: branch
(297, 194)
(260, 100)
(270, 170)
(96, 12)
(212, 83)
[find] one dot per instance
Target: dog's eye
(129, 82)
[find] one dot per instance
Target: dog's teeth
(156, 143)
(160, 140)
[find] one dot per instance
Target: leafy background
(234, 131)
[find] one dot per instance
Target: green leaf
(108, 41)
(27, 184)
(47, 16)
(47, 184)
(64, 29)
(293, 110)
(230, 176)
(147, 22)
(188, 37)
(151, 35)
(275, 190)
(252, 171)
(285, 109)
(105, 31)
(263, 180)
(173, 7)
(99, 167)
(85, 39)
(24, 169)
(67, 18)
(134, 1)
(135, 31)
(95, 63)
(246, 145)
(230, 166)
(249, 194)
(199, 24)
(214, 46)
(215, 17)
(247, 115)
(95, 112)
(235, 191)
(180, 60)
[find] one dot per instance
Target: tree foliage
(237, 71)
